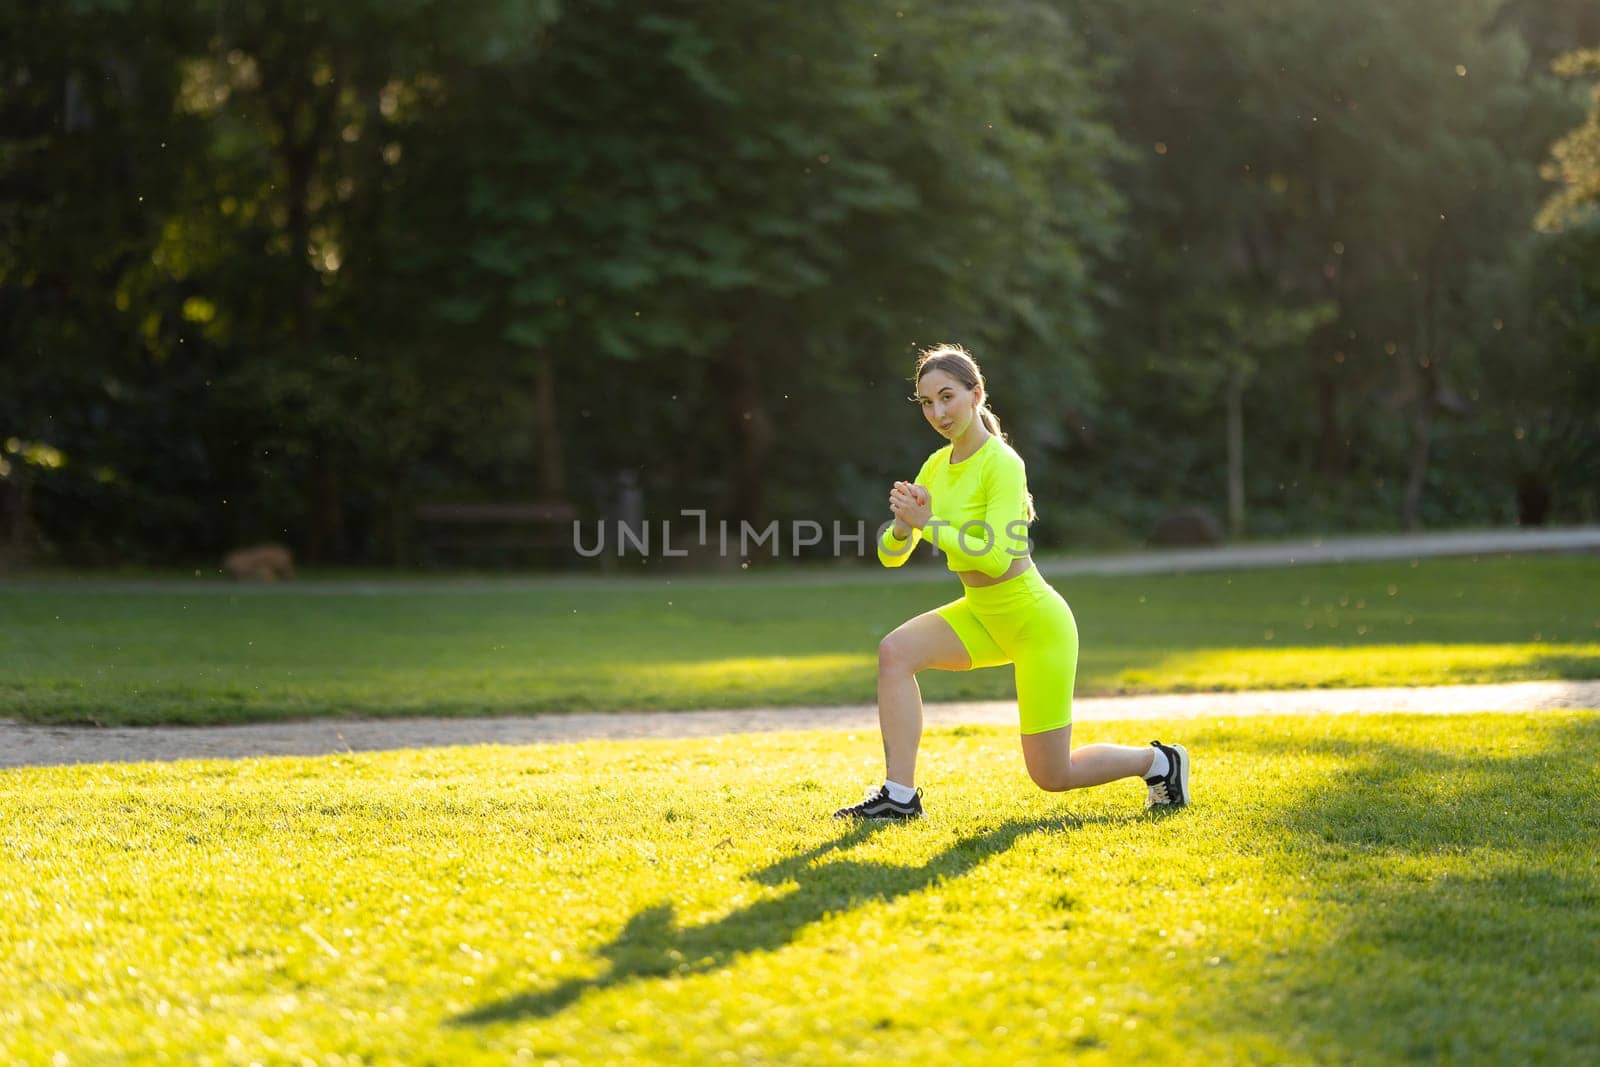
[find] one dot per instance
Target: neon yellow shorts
(1024, 621)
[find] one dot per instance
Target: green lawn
(1362, 889)
(208, 652)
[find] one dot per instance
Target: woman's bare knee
(894, 657)
(1052, 780)
(1048, 757)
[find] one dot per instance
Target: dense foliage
(289, 271)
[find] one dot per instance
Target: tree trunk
(1236, 452)
(754, 432)
(552, 482)
(326, 538)
(300, 150)
(1333, 451)
(399, 519)
(1423, 405)
(324, 508)
(1533, 499)
(1417, 462)
(16, 512)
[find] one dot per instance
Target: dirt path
(29, 745)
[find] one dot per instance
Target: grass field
(1355, 890)
(208, 652)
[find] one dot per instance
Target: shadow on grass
(1463, 894)
(1562, 666)
(653, 945)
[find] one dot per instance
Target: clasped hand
(911, 504)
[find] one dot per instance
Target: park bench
(496, 533)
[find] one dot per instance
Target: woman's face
(948, 405)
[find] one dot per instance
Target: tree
(1371, 158)
(741, 215)
(1575, 159)
(91, 153)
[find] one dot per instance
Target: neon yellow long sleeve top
(980, 511)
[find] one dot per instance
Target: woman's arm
(896, 541)
(894, 551)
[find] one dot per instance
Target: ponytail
(992, 422)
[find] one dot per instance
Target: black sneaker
(1170, 790)
(879, 805)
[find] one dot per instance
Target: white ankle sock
(1158, 766)
(900, 794)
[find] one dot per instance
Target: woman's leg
(1054, 766)
(1045, 648)
(918, 644)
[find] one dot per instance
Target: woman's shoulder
(1002, 454)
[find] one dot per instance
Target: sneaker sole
(885, 817)
(1183, 772)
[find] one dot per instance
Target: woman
(971, 501)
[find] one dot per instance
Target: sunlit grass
(209, 653)
(752, 675)
(1367, 890)
(1359, 665)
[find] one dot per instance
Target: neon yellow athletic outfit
(980, 523)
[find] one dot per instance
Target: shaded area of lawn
(251, 654)
(1458, 888)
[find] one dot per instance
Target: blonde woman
(971, 500)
